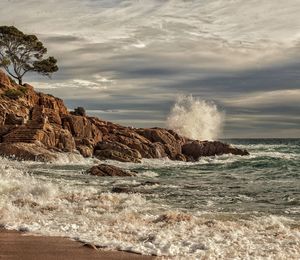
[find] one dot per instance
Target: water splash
(196, 118)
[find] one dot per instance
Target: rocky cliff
(37, 126)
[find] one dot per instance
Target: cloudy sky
(128, 60)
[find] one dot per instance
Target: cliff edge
(37, 126)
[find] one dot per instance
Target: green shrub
(14, 93)
(23, 90)
(12, 81)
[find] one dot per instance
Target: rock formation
(109, 170)
(30, 119)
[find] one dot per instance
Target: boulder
(109, 170)
(135, 141)
(85, 151)
(28, 152)
(116, 151)
(169, 141)
(197, 149)
(122, 189)
(82, 129)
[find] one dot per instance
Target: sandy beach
(16, 245)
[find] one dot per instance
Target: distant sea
(221, 207)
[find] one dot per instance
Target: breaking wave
(196, 118)
(205, 210)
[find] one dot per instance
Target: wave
(131, 222)
(195, 118)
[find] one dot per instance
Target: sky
(128, 61)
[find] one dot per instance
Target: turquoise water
(266, 182)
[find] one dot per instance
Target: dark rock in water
(197, 149)
(122, 190)
(109, 170)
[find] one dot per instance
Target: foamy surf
(226, 207)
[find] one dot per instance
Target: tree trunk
(20, 81)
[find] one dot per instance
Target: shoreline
(16, 245)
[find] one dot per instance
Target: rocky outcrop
(44, 122)
(28, 152)
(109, 170)
(116, 151)
(196, 149)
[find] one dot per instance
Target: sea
(220, 207)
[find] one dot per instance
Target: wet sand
(16, 245)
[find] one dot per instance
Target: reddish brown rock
(109, 170)
(168, 140)
(4, 81)
(25, 151)
(116, 151)
(82, 129)
(85, 151)
(43, 120)
(197, 149)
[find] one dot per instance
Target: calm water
(253, 198)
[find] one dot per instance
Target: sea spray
(196, 118)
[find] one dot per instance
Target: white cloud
(287, 97)
(112, 50)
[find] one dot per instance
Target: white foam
(150, 174)
(195, 118)
(130, 222)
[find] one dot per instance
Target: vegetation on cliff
(21, 53)
(39, 122)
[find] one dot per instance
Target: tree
(21, 53)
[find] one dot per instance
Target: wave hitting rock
(37, 126)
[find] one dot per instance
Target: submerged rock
(119, 189)
(109, 170)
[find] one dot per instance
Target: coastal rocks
(4, 81)
(12, 119)
(43, 120)
(116, 151)
(54, 103)
(85, 151)
(135, 141)
(25, 151)
(82, 129)
(196, 149)
(169, 142)
(109, 170)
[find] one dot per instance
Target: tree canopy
(21, 53)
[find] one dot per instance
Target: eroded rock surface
(109, 170)
(44, 122)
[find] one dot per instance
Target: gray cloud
(130, 59)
